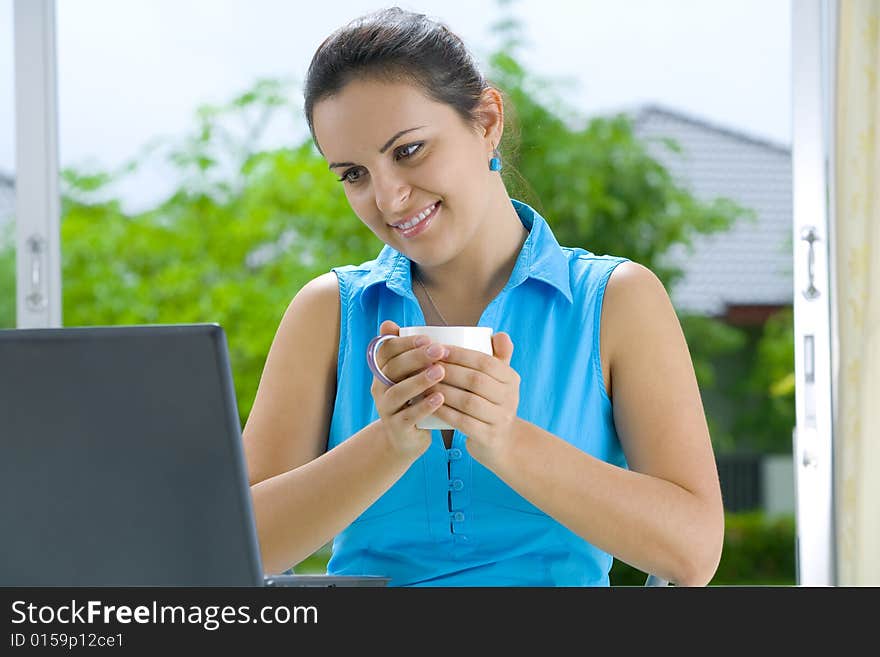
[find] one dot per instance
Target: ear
(491, 117)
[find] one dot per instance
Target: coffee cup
(478, 338)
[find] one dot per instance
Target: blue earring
(495, 162)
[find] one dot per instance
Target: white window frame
(37, 198)
(814, 40)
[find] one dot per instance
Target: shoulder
(630, 278)
(387, 259)
(354, 279)
(589, 273)
(322, 288)
(633, 291)
(579, 258)
(636, 306)
(316, 303)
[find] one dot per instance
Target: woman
(544, 478)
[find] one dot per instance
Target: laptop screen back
(121, 461)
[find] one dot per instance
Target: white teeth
(406, 225)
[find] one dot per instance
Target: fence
(752, 482)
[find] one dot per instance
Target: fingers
(468, 425)
(468, 403)
(415, 359)
(390, 400)
(495, 367)
(391, 349)
(389, 328)
(400, 358)
(419, 410)
(474, 382)
(502, 345)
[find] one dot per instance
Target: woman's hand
(411, 361)
(481, 396)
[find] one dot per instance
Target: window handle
(810, 235)
(36, 300)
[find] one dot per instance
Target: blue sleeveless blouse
(449, 521)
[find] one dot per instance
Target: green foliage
(227, 248)
(758, 550)
(712, 346)
(598, 185)
(316, 562)
(775, 375)
(7, 276)
(707, 339)
(766, 396)
(747, 379)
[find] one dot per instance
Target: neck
(476, 275)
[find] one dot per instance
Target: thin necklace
(430, 300)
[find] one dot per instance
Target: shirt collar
(540, 258)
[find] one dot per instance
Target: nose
(392, 192)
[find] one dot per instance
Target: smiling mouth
(408, 225)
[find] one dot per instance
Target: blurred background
(191, 191)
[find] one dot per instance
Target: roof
(750, 264)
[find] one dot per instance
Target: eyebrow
(334, 165)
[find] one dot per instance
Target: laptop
(121, 462)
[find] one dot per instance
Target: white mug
(478, 338)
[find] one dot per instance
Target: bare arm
(302, 496)
(664, 515)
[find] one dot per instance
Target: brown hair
(396, 45)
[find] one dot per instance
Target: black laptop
(121, 462)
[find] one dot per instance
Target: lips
(419, 223)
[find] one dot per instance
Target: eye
(408, 150)
(351, 176)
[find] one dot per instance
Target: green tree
(594, 180)
(766, 396)
(244, 230)
(7, 276)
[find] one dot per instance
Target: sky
(134, 70)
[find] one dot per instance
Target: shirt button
(454, 454)
(458, 516)
(456, 484)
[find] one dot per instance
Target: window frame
(37, 197)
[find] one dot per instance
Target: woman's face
(414, 172)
